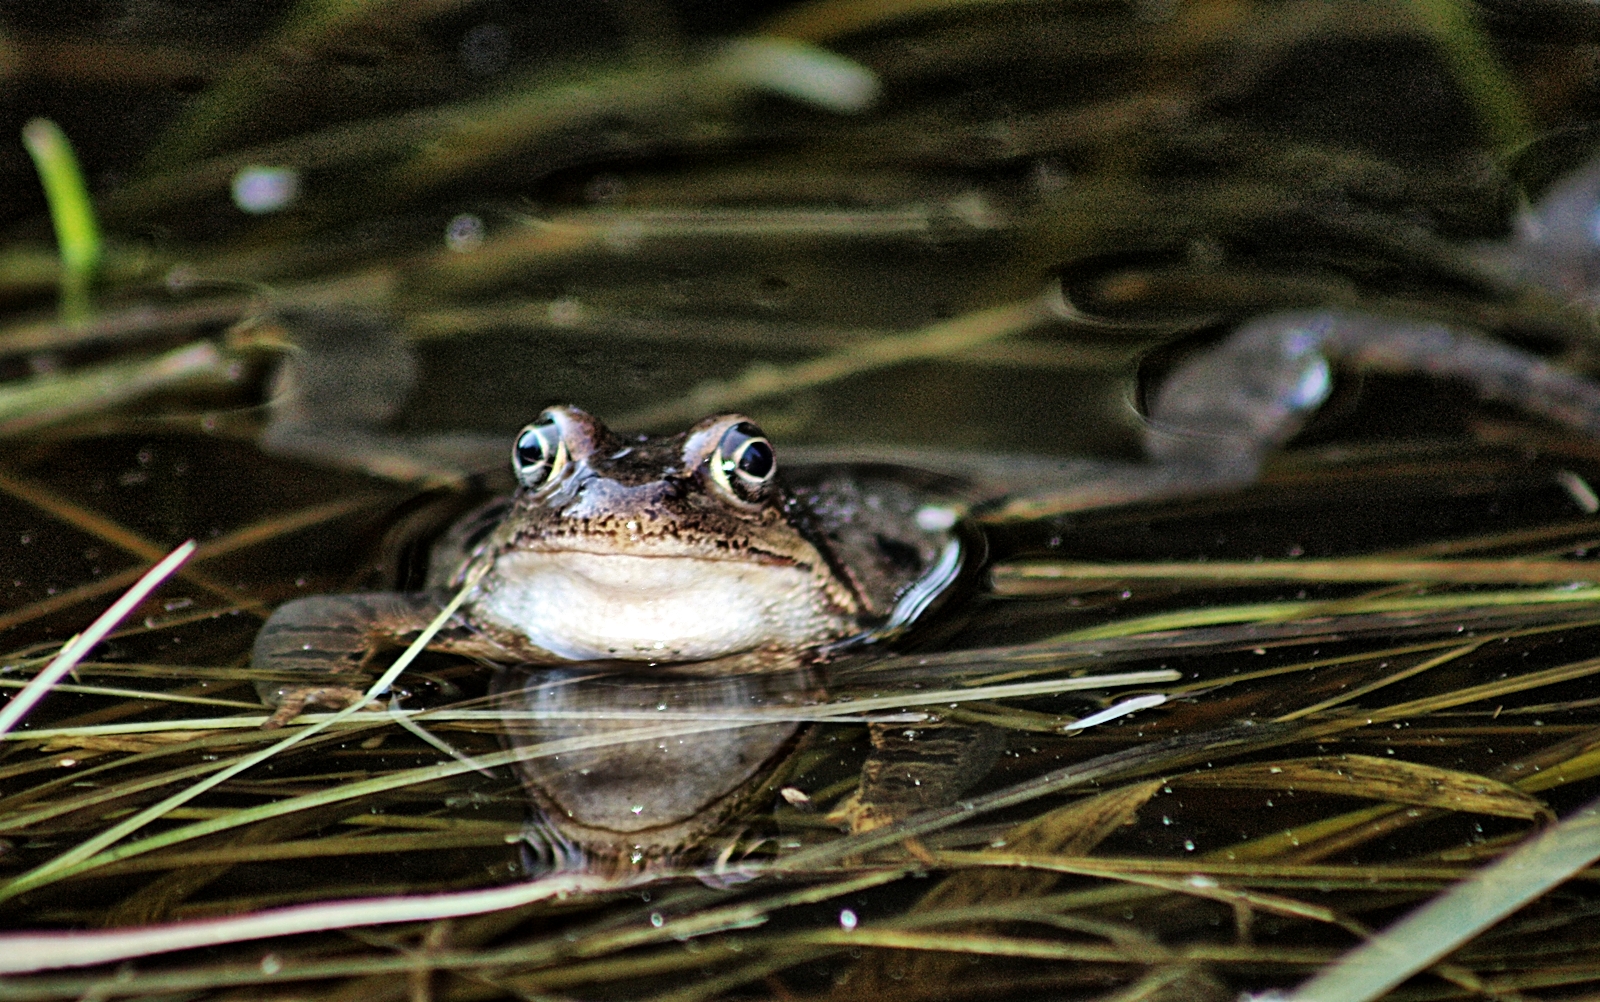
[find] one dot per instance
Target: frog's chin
(588, 606)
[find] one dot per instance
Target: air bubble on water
(261, 190)
(656, 920)
(464, 233)
(847, 920)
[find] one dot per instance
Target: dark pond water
(501, 207)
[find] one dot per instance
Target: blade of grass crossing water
(61, 864)
(1455, 917)
(78, 647)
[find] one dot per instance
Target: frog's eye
(744, 463)
(540, 453)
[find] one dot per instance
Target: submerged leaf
(124, 742)
(1393, 780)
(1073, 830)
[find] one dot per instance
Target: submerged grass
(1238, 886)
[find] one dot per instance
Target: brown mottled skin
(646, 497)
(648, 493)
(653, 497)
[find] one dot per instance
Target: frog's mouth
(584, 606)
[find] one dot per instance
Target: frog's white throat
(589, 606)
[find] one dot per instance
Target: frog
(695, 571)
(680, 552)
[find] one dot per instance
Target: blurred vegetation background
(841, 217)
(654, 209)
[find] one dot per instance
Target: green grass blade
(77, 234)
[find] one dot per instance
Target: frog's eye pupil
(538, 455)
(530, 448)
(744, 462)
(756, 459)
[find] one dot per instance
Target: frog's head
(669, 549)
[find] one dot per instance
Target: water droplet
(656, 920)
(847, 920)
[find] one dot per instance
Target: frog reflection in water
(691, 573)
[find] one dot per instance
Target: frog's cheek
(583, 607)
